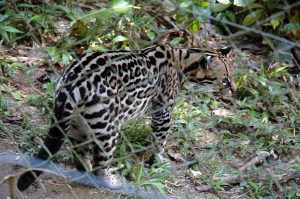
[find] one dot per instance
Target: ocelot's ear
(204, 61)
(225, 51)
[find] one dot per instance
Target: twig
(232, 179)
(31, 60)
(241, 195)
(5, 130)
(235, 179)
(296, 57)
(11, 184)
(38, 91)
(163, 20)
(256, 160)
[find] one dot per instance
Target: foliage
(268, 15)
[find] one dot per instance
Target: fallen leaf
(222, 112)
(176, 156)
(19, 95)
(13, 118)
(194, 174)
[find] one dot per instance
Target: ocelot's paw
(112, 181)
(158, 158)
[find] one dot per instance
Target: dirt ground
(180, 184)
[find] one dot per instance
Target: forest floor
(185, 184)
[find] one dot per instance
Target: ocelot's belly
(137, 107)
(80, 129)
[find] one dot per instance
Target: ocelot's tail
(52, 142)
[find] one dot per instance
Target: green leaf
(219, 7)
(53, 54)
(2, 17)
(62, 8)
(151, 35)
(291, 27)
(122, 6)
(120, 38)
(250, 8)
(30, 71)
(26, 5)
(103, 14)
(223, 1)
(10, 29)
(19, 95)
(242, 3)
(65, 58)
(231, 16)
(176, 41)
(221, 15)
(79, 29)
(253, 6)
(275, 23)
(39, 18)
(204, 4)
(195, 26)
(280, 69)
(4, 35)
(17, 65)
(253, 17)
(185, 4)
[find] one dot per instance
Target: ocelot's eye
(226, 82)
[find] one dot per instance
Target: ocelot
(101, 91)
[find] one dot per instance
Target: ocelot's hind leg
(104, 148)
(83, 155)
(161, 122)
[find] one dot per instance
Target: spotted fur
(100, 92)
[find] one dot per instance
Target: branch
(238, 178)
(30, 60)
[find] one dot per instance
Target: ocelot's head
(211, 69)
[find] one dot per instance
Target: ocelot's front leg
(161, 122)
